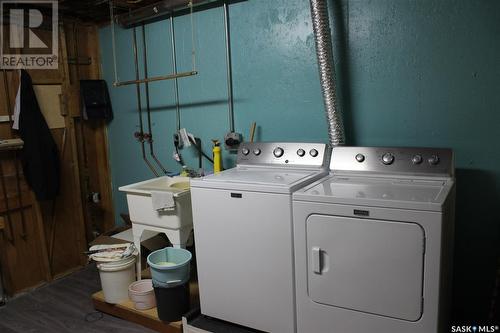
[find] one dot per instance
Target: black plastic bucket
(172, 303)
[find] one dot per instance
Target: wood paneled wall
(44, 240)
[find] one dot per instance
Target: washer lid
(280, 180)
(422, 194)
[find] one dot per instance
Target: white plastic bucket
(142, 294)
(116, 277)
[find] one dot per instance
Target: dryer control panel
(394, 160)
(284, 153)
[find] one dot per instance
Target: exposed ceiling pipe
(227, 39)
(149, 137)
(324, 52)
(140, 135)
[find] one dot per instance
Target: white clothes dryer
(373, 242)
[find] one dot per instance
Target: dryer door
(366, 265)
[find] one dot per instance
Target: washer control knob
(301, 152)
(417, 159)
(387, 158)
(360, 158)
(313, 152)
(245, 151)
(278, 152)
(433, 160)
(256, 151)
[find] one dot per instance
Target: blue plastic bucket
(169, 266)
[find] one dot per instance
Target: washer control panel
(395, 160)
(284, 153)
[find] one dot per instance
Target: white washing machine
(373, 242)
(243, 232)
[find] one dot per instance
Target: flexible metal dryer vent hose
(323, 41)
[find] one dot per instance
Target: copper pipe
(148, 109)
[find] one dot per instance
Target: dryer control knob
(301, 152)
(313, 152)
(433, 160)
(256, 151)
(417, 159)
(360, 158)
(387, 158)
(245, 151)
(278, 152)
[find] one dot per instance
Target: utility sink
(140, 204)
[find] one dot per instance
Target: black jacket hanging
(40, 157)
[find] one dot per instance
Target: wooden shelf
(147, 318)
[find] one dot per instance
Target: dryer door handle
(316, 259)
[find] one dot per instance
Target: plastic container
(142, 294)
(172, 303)
(116, 277)
(170, 266)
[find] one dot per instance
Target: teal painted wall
(416, 73)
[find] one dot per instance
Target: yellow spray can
(217, 156)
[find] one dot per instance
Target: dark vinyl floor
(62, 306)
